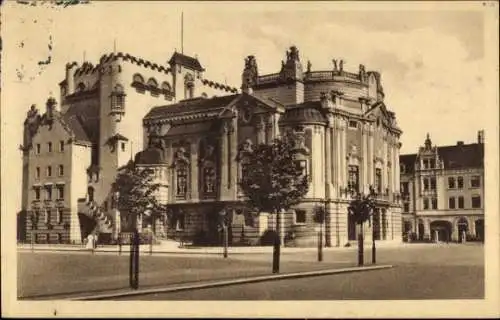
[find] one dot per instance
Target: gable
(247, 106)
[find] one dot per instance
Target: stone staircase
(104, 223)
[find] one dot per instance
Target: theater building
(443, 192)
(349, 140)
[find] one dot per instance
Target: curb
(229, 282)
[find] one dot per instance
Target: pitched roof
(197, 105)
(83, 121)
(150, 156)
(454, 157)
(408, 160)
(462, 156)
(186, 61)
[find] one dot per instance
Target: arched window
(165, 86)
(80, 87)
(152, 83)
(138, 78)
(90, 192)
(188, 86)
(182, 180)
(209, 180)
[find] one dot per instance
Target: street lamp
(223, 222)
(320, 213)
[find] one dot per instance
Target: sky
(433, 58)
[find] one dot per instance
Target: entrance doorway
(351, 228)
(463, 227)
(441, 231)
(480, 229)
(421, 230)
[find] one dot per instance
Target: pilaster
(233, 165)
(328, 162)
(224, 177)
(194, 170)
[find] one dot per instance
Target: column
(261, 135)
(343, 167)
(223, 160)
(364, 149)
(370, 155)
(328, 162)
(335, 158)
(472, 226)
(232, 163)
(194, 195)
(269, 128)
(427, 229)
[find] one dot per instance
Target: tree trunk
(360, 246)
(277, 244)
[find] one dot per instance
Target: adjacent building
(443, 191)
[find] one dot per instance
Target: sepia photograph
(250, 159)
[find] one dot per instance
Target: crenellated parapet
(219, 86)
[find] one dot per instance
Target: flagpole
(182, 32)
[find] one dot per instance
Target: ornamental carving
(244, 148)
(250, 73)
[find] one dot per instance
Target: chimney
(460, 143)
(480, 137)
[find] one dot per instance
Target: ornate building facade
(71, 152)
(350, 141)
(443, 191)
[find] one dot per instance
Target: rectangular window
(407, 207)
(378, 180)
(209, 180)
(460, 182)
(37, 193)
(353, 183)
(182, 182)
(451, 203)
(61, 170)
(302, 166)
(48, 192)
(460, 202)
(300, 216)
(426, 164)
(451, 182)
(61, 146)
(37, 148)
(432, 163)
(37, 173)
(475, 182)
(47, 215)
(434, 203)
(433, 183)
(426, 204)
(476, 202)
(426, 184)
(60, 192)
(123, 146)
(353, 124)
(49, 146)
(404, 187)
(49, 171)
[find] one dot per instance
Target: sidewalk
(174, 248)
